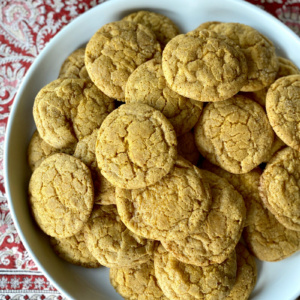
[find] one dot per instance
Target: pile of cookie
(180, 187)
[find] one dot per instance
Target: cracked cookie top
(74, 66)
(176, 205)
(162, 26)
(66, 110)
(136, 146)
(216, 237)
(112, 243)
(204, 66)
(265, 237)
(283, 109)
(74, 250)
(259, 52)
(115, 51)
(280, 187)
(148, 85)
(137, 283)
(234, 134)
(61, 195)
(185, 281)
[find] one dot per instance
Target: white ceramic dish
(280, 280)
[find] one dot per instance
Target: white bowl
(280, 280)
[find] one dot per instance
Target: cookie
(280, 187)
(214, 239)
(277, 145)
(74, 66)
(283, 109)
(259, 51)
(136, 146)
(246, 275)
(115, 51)
(286, 68)
(246, 184)
(137, 283)
(187, 148)
(183, 199)
(66, 110)
(204, 66)
(162, 26)
(111, 243)
(61, 195)
(85, 151)
(184, 281)
(148, 85)
(266, 238)
(234, 134)
(74, 250)
(38, 150)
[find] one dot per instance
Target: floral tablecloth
(26, 26)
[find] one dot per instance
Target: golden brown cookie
(61, 195)
(66, 110)
(234, 134)
(112, 243)
(136, 146)
(73, 66)
(280, 187)
(115, 51)
(137, 283)
(204, 66)
(268, 239)
(74, 250)
(214, 239)
(187, 148)
(175, 205)
(246, 274)
(283, 109)
(286, 67)
(184, 281)
(162, 26)
(148, 85)
(246, 184)
(85, 151)
(38, 150)
(259, 52)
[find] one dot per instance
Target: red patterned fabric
(26, 26)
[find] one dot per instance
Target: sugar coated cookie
(183, 281)
(66, 110)
(137, 283)
(115, 51)
(283, 109)
(61, 195)
(204, 66)
(162, 26)
(182, 199)
(214, 239)
(136, 146)
(259, 51)
(280, 187)
(234, 134)
(111, 243)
